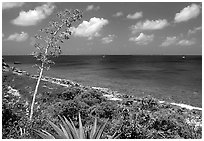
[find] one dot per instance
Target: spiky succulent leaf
(44, 134)
(81, 130)
(67, 130)
(93, 130)
(58, 130)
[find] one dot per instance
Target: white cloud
(187, 13)
(185, 42)
(142, 39)
(108, 39)
(90, 29)
(149, 25)
(194, 30)
(18, 37)
(92, 7)
(32, 17)
(136, 15)
(178, 40)
(118, 14)
(8, 5)
(169, 41)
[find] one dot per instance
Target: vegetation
(48, 43)
(69, 131)
(132, 118)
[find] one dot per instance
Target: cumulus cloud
(169, 41)
(118, 14)
(32, 17)
(108, 39)
(196, 29)
(178, 40)
(187, 13)
(136, 15)
(19, 37)
(142, 39)
(185, 42)
(90, 28)
(8, 5)
(92, 7)
(149, 25)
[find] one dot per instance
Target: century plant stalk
(36, 87)
(35, 92)
(48, 43)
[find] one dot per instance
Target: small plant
(67, 130)
(48, 43)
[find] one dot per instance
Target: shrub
(107, 109)
(70, 93)
(90, 97)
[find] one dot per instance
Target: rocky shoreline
(112, 95)
(109, 94)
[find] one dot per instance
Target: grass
(132, 118)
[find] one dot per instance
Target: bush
(107, 109)
(14, 119)
(70, 93)
(90, 97)
(163, 123)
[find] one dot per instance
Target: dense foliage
(131, 118)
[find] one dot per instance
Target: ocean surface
(170, 78)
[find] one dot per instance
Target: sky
(108, 28)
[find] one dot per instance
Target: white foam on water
(186, 106)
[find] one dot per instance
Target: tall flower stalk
(48, 41)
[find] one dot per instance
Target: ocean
(170, 78)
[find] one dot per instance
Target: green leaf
(64, 131)
(72, 128)
(67, 128)
(44, 135)
(99, 131)
(93, 130)
(81, 130)
(58, 130)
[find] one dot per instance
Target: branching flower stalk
(48, 42)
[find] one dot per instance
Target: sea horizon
(113, 55)
(166, 77)
(136, 64)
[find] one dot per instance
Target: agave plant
(67, 130)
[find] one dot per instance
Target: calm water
(168, 78)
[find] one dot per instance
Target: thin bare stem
(52, 42)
